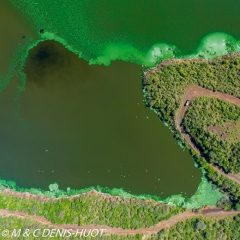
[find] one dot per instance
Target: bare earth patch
(229, 131)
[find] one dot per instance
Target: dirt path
(194, 91)
(120, 231)
(234, 177)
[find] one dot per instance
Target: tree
(237, 206)
(200, 225)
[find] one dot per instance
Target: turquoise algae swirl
(134, 31)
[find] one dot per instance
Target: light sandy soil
(192, 92)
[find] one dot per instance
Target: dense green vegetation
(225, 184)
(12, 222)
(202, 228)
(92, 209)
(205, 112)
(193, 228)
(166, 85)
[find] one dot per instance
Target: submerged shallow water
(81, 124)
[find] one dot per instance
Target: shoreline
(189, 91)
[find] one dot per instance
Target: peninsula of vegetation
(200, 101)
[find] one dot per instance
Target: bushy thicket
(166, 85)
(91, 209)
(201, 228)
(13, 222)
(205, 112)
(226, 185)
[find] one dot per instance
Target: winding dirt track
(212, 212)
(194, 91)
(120, 231)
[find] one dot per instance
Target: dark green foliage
(202, 228)
(166, 86)
(205, 112)
(224, 203)
(92, 209)
(238, 206)
(225, 184)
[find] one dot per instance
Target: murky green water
(87, 124)
(137, 30)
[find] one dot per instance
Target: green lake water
(88, 126)
(84, 125)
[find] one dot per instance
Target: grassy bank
(90, 208)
